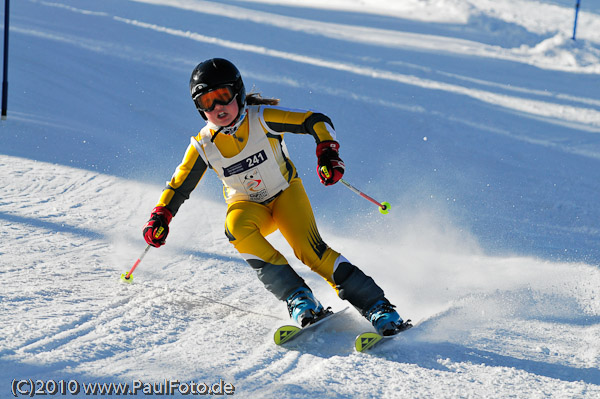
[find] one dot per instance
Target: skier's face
(223, 115)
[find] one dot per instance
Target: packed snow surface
(479, 121)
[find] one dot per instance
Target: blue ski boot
(304, 308)
(385, 319)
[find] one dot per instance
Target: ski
(288, 332)
(369, 340)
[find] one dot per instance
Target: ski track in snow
(569, 111)
(68, 316)
(485, 326)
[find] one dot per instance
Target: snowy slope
(477, 120)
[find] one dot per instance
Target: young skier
(243, 143)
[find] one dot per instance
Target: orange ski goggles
(207, 101)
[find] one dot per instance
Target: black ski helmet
(215, 73)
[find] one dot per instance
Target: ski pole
(127, 277)
(384, 207)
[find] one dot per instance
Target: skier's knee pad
(281, 280)
(356, 287)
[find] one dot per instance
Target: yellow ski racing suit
(265, 194)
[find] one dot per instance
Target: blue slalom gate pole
(576, 14)
(5, 71)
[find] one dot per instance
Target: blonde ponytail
(257, 99)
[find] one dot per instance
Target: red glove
(157, 228)
(330, 167)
